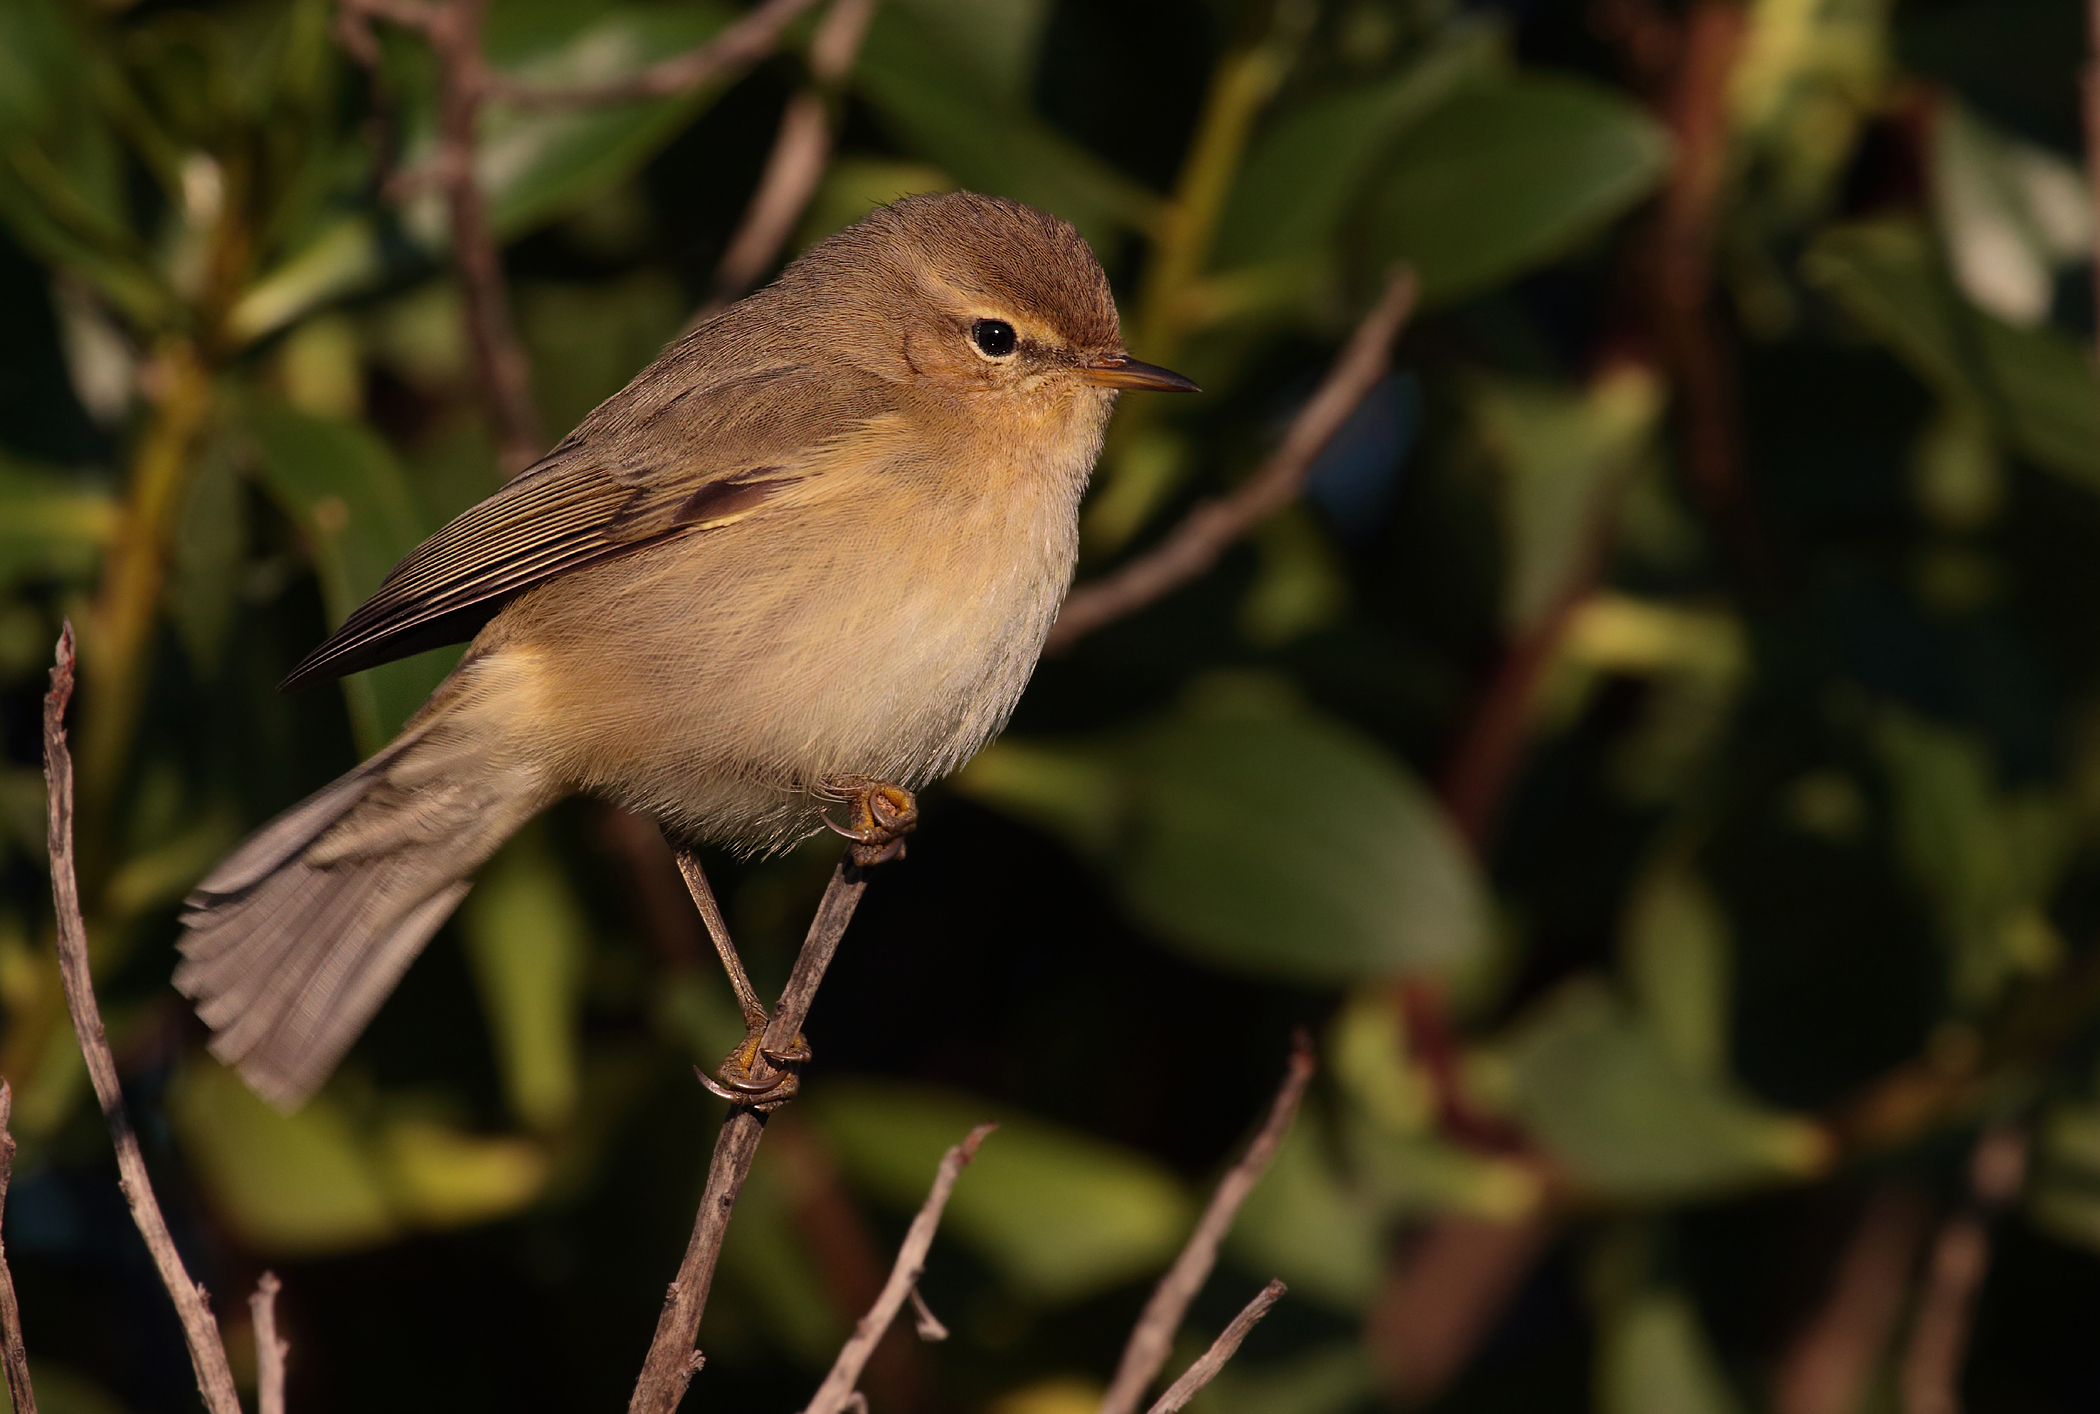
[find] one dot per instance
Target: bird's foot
(757, 1078)
(879, 816)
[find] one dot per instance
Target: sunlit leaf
(1598, 1088)
(344, 489)
(440, 1177)
(1506, 176)
(2011, 214)
(51, 523)
(526, 935)
(338, 261)
(1060, 1214)
(289, 1184)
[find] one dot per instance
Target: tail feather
(292, 944)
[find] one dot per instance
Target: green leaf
(942, 109)
(1561, 455)
(1059, 1214)
(343, 488)
(322, 1180)
(1656, 1360)
(211, 540)
(586, 341)
(1674, 947)
(52, 524)
(1312, 1224)
(1311, 165)
(526, 936)
(1987, 859)
(340, 260)
(1598, 1088)
(1257, 835)
(1507, 176)
(538, 164)
(995, 41)
(2036, 384)
(288, 1184)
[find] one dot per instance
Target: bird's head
(965, 294)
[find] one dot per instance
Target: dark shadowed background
(1658, 758)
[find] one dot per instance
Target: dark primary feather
(669, 456)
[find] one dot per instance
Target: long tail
(298, 936)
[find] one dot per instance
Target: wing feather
(655, 461)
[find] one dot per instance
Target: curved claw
(881, 816)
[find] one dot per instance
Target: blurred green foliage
(1668, 848)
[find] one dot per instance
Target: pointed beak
(1123, 371)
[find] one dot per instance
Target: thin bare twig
(192, 1303)
(800, 150)
(1211, 527)
(1222, 1349)
(19, 1393)
(672, 1361)
(1153, 1335)
(745, 42)
(270, 1348)
(1961, 1254)
(835, 1394)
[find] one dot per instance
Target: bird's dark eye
(995, 337)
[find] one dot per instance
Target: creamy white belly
(785, 650)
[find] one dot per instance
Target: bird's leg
(750, 1075)
(879, 816)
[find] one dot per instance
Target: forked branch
(838, 1390)
(672, 1360)
(1153, 1336)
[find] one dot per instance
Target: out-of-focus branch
(750, 39)
(672, 1359)
(1211, 527)
(1961, 1254)
(1829, 1364)
(453, 31)
(270, 1348)
(16, 1359)
(1443, 1297)
(837, 1391)
(1153, 1336)
(199, 1327)
(1222, 1349)
(801, 149)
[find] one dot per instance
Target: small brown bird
(808, 556)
